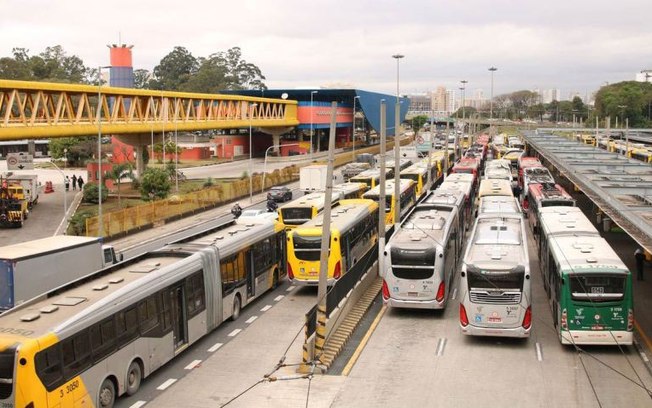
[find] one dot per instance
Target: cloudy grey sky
(568, 44)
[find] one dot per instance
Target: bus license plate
(413, 294)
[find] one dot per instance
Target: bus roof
(498, 205)
(404, 184)
(495, 187)
(498, 242)
(537, 175)
(559, 221)
(346, 214)
(371, 173)
(542, 192)
(500, 173)
(316, 199)
(39, 246)
(417, 168)
(461, 177)
(586, 255)
(423, 226)
(349, 187)
(445, 198)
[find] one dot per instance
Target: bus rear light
(464, 321)
(440, 292)
(338, 270)
(630, 320)
(385, 290)
(564, 319)
(290, 272)
(527, 319)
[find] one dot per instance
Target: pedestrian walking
(80, 182)
(66, 181)
(74, 182)
(640, 259)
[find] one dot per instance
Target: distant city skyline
(533, 45)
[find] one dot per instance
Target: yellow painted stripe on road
(363, 342)
(645, 338)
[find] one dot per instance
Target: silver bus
(91, 342)
(495, 279)
(421, 257)
(499, 205)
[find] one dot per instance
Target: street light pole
(262, 189)
(251, 184)
(397, 148)
(312, 93)
(491, 101)
(353, 127)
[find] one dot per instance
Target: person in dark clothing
(74, 182)
(80, 182)
(640, 259)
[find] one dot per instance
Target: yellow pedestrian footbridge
(30, 110)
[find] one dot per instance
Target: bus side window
(195, 294)
(166, 311)
(103, 340)
(148, 314)
(48, 366)
(76, 355)
(126, 325)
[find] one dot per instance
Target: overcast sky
(567, 44)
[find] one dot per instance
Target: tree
(628, 99)
(91, 193)
(170, 148)
(79, 149)
(174, 70)
(466, 111)
(155, 184)
(117, 173)
(141, 78)
(417, 122)
(52, 65)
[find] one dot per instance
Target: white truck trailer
(313, 178)
(34, 268)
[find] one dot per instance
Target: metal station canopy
(620, 186)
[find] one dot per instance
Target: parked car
(257, 214)
(280, 193)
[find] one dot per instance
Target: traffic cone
(48, 187)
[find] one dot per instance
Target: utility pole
(381, 194)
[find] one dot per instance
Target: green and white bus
(588, 285)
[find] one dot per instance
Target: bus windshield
(296, 215)
(307, 248)
(597, 288)
(557, 203)
(502, 280)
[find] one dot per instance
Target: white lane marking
(539, 352)
(290, 289)
(251, 319)
(454, 293)
(166, 384)
(644, 357)
(192, 365)
(279, 297)
(138, 404)
(441, 344)
(266, 308)
(215, 347)
(234, 333)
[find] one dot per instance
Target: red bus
(544, 195)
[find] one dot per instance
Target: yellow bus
(369, 177)
(350, 190)
(418, 173)
(87, 344)
(303, 209)
(408, 200)
(353, 238)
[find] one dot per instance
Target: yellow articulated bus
(350, 190)
(353, 239)
(370, 177)
(87, 344)
(304, 209)
(408, 200)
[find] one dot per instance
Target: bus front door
(251, 275)
(179, 319)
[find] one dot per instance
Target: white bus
(499, 205)
(420, 259)
(495, 279)
(463, 183)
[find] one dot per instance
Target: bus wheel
(106, 397)
(236, 308)
(134, 376)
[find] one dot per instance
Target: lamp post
(353, 127)
(312, 93)
(397, 148)
(463, 88)
(100, 106)
(262, 189)
(491, 101)
(251, 184)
